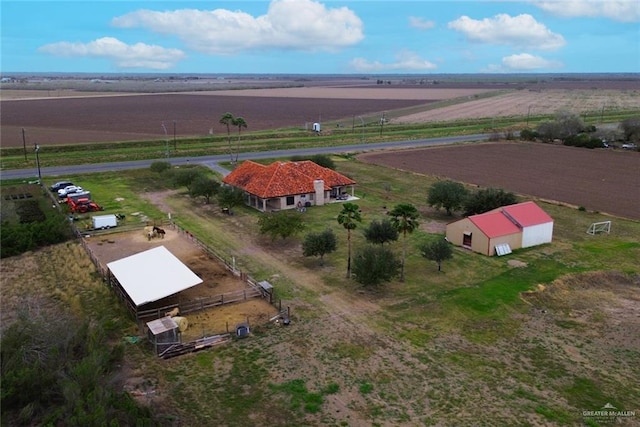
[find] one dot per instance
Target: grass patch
(586, 393)
(346, 350)
(554, 414)
(300, 397)
(365, 387)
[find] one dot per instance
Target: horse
(159, 231)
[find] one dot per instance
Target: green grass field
(467, 345)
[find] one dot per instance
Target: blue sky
(320, 36)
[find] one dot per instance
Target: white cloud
(420, 23)
(526, 61)
(406, 61)
(521, 31)
(123, 55)
(289, 24)
(618, 10)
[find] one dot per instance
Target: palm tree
(241, 123)
(348, 218)
(404, 218)
(227, 119)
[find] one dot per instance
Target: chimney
(318, 186)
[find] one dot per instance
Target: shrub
(449, 195)
(319, 159)
(528, 135)
(319, 244)
(19, 238)
(488, 199)
(374, 265)
(56, 371)
(160, 166)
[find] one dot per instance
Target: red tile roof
(281, 179)
(510, 219)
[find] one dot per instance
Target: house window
(290, 200)
(466, 239)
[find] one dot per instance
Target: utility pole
(175, 147)
(166, 140)
(24, 145)
(37, 148)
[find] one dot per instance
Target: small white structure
(152, 275)
(163, 333)
(316, 127)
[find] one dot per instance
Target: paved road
(214, 161)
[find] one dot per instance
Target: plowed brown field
(601, 180)
(65, 116)
(140, 117)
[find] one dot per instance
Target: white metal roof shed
(152, 275)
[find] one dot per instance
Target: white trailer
(104, 221)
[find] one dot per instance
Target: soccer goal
(599, 227)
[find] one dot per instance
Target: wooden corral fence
(202, 303)
(192, 346)
(254, 290)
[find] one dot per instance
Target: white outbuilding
(502, 230)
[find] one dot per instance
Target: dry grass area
(426, 94)
(18, 94)
(529, 102)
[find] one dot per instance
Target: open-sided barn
(499, 231)
(149, 276)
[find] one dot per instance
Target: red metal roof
(494, 224)
(527, 214)
(510, 219)
(281, 179)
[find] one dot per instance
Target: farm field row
(68, 119)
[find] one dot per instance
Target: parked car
(629, 146)
(60, 185)
(68, 190)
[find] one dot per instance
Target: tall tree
(438, 251)
(319, 244)
(227, 119)
(487, 199)
(349, 218)
(185, 177)
(380, 232)
(404, 218)
(240, 123)
(374, 265)
(229, 197)
(449, 195)
(280, 224)
(205, 187)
